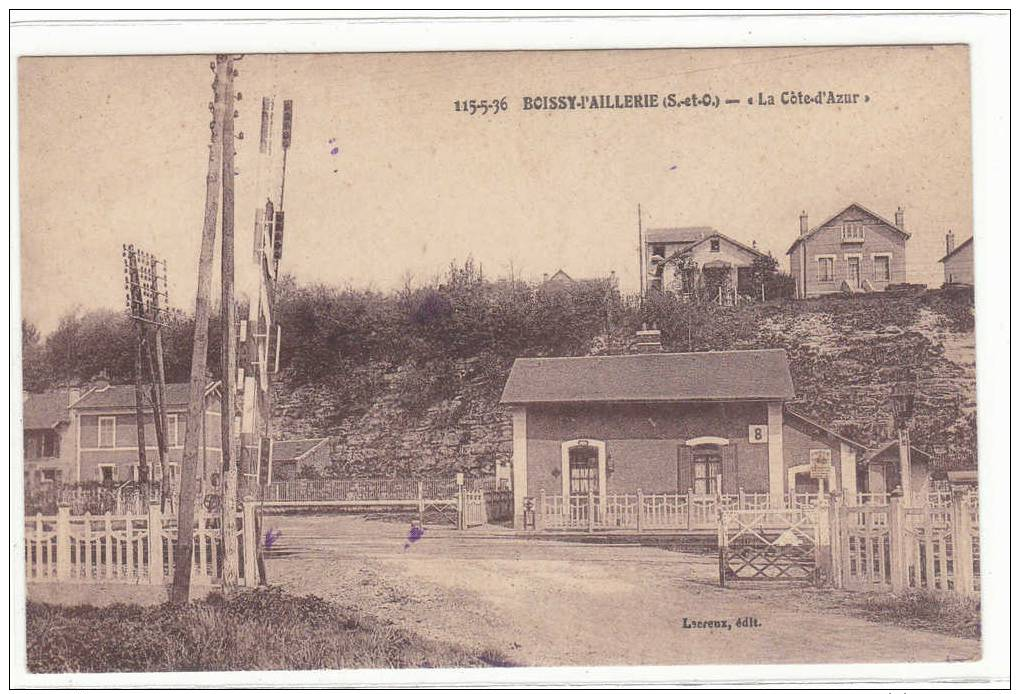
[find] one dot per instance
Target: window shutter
(729, 468)
(684, 457)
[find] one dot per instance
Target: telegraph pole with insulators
(221, 107)
(228, 353)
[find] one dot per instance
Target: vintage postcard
(498, 360)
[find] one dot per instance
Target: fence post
(836, 540)
(421, 504)
(963, 550)
(155, 544)
(897, 543)
(721, 541)
(64, 548)
(461, 509)
(640, 510)
(540, 511)
(591, 511)
(823, 539)
(250, 542)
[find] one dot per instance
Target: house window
(107, 432)
(825, 269)
(51, 474)
(882, 269)
(50, 445)
(713, 245)
(107, 473)
(853, 231)
(171, 430)
(706, 467)
(659, 249)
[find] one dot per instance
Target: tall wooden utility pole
(143, 465)
(159, 391)
(181, 590)
(146, 287)
(136, 307)
(228, 352)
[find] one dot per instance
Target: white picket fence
(892, 546)
(133, 548)
(640, 511)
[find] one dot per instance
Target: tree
(36, 376)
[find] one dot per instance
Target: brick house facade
(107, 434)
(855, 250)
(50, 436)
(709, 422)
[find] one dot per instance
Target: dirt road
(557, 603)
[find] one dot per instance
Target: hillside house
(704, 423)
(289, 458)
(50, 435)
(855, 250)
(561, 281)
(107, 433)
(958, 262)
(720, 260)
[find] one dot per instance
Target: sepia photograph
(496, 360)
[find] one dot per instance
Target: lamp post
(903, 409)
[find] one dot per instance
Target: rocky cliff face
(468, 432)
(845, 354)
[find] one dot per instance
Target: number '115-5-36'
(480, 106)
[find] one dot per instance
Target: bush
(252, 630)
(936, 610)
(418, 387)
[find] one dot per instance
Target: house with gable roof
(958, 262)
(50, 435)
(703, 424)
(106, 429)
(854, 250)
(710, 251)
(290, 457)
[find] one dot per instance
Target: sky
(387, 181)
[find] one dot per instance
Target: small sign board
(758, 433)
(821, 463)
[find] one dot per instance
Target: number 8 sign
(758, 433)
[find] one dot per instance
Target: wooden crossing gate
(768, 544)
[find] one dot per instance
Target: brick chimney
(950, 242)
(73, 395)
(649, 340)
(101, 381)
(803, 223)
(899, 218)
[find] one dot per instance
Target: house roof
(956, 250)
(658, 377)
(817, 425)
(114, 397)
(677, 234)
(720, 235)
(891, 446)
(859, 206)
(295, 449)
(560, 276)
(45, 410)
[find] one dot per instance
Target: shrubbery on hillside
(360, 363)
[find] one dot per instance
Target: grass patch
(939, 611)
(254, 630)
